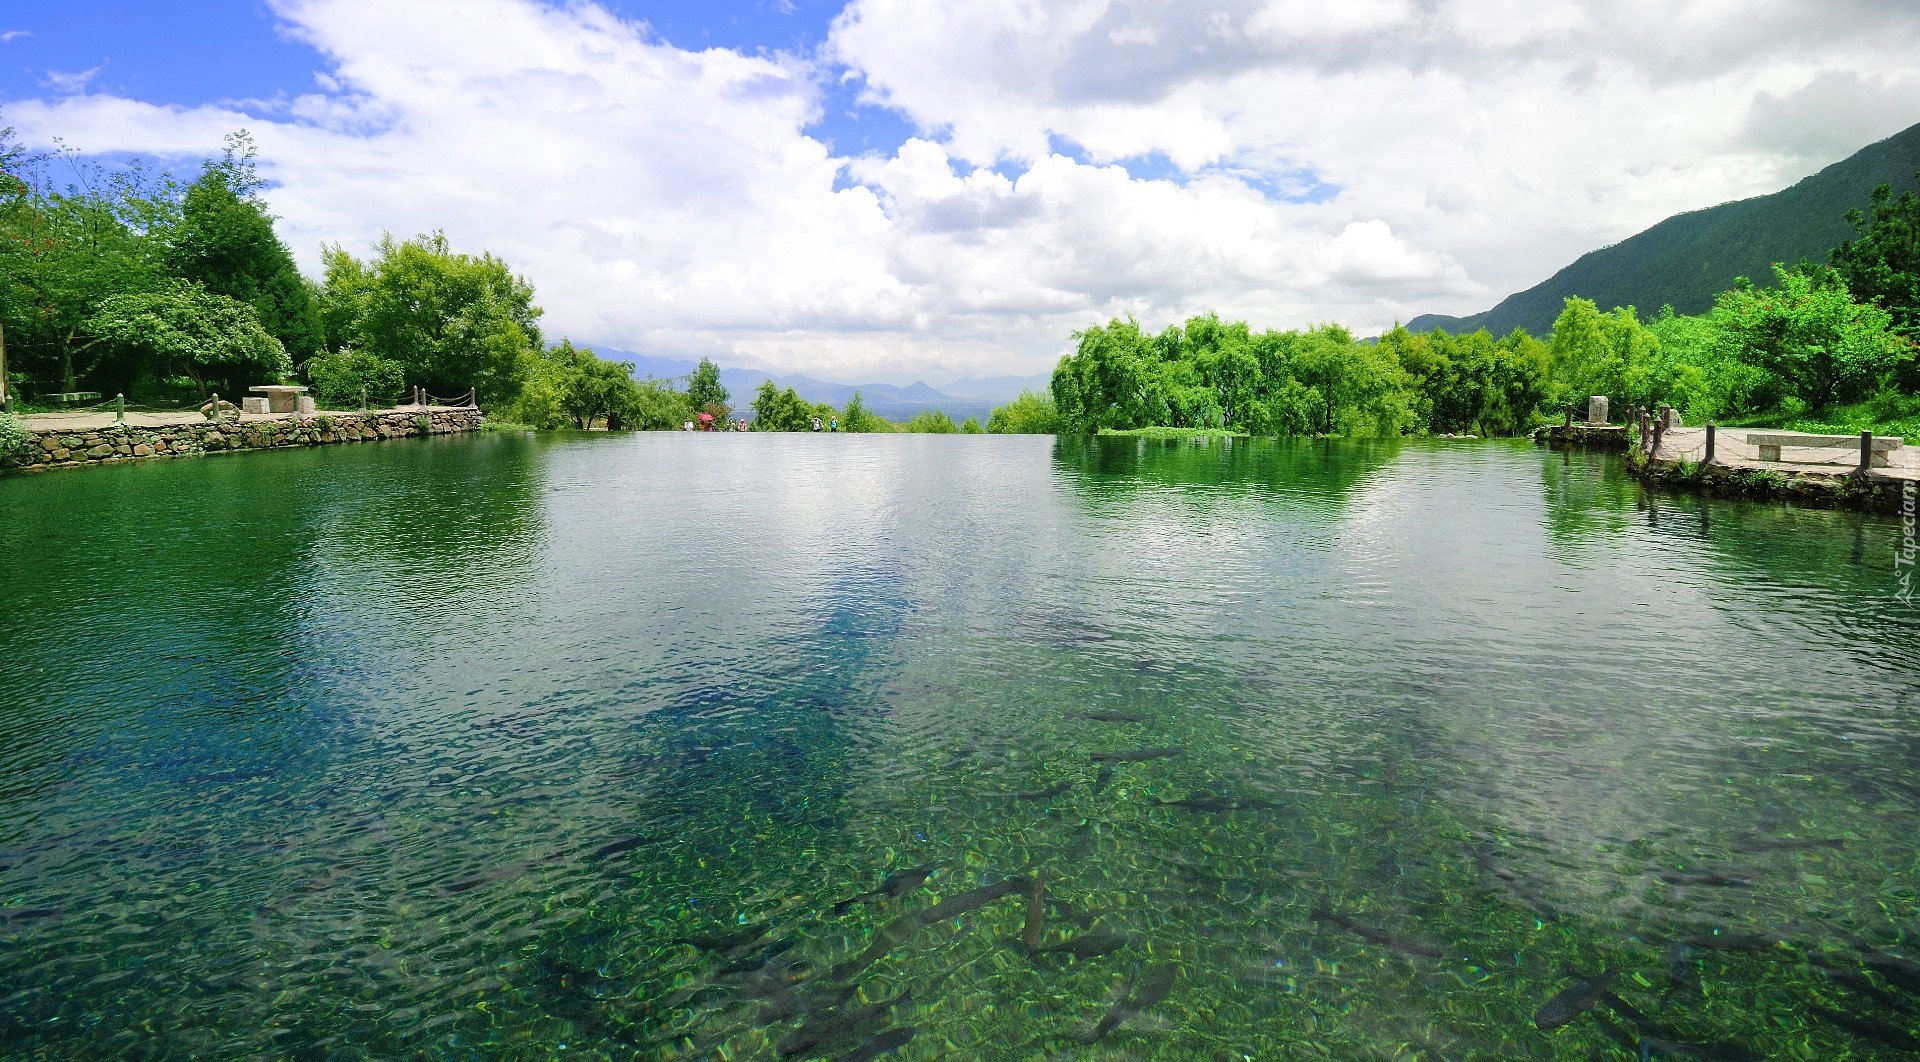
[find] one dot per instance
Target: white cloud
(63, 81)
(671, 201)
(9, 36)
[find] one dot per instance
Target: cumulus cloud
(1362, 161)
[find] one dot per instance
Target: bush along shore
(71, 447)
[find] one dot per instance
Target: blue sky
(719, 189)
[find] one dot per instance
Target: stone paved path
(1730, 447)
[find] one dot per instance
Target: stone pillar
(1597, 409)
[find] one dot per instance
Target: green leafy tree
(971, 426)
(225, 242)
(1881, 264)
(775, 409)
(1809, 334)
(452, 320)
(858, 418)
(341, 379)
(1594, 353)
(1030, 414)
(932, 422)
(705, 391)
(658, 407)
(192, 331)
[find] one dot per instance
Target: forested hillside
(1685, 260)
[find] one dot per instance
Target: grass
(1886, 414)
(1175, 433)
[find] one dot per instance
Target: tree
(453, 321)
(1030, 414)
(225, 242)
(341, 379)
(1810, 335)
(705, 391)
(971, 426)
(778, 410)
(194, 331)
(932, 422)
(1881, 264)
(858, 418)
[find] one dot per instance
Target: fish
(1115, 717)
(1897, 970)
(902, 929)
(891, 1040)
(1572, 1001)
(1139, 756)
(1859, 984)
(1209, 802)
(29, 914)
(1102, 778)
(1042, 794)
(1760, 942)
(1149, 989)
(835, 1025)
(1084, 946)
(1717, 878)
(623, 844)
(491, 875)
(892, 887)
(1870, 1029)
(1516, 885)
(1384, 937)
(1035, 928)
(1654, 1046)
(1786, 844)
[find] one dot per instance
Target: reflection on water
(1001, 747)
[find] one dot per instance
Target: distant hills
(1685, 260)
(959, 399)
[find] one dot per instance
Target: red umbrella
(706, 416)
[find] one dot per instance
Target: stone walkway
(1730, 448)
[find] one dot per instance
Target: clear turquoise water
(573, 745)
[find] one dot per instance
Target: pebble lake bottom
(760, 746)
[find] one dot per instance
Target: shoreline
(50, 447)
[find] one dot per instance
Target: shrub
(13, 436)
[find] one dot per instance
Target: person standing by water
(816, 423)
(833, 423)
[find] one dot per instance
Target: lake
(732, 746)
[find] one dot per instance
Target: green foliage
(784, 410)
(1164, 434)
(705, 392)
(970, 426)
(931, 422)
(1881, 263)
(452, 320)
(225, 242)
(569, 386)
(858, 418)
(1810, 336)
(190, 329)
(1218, 375)
(1030, 414)
(13, 435)
(341, 378)
(1472, 383)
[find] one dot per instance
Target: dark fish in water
(1383, 937)
(1035, 928)
(1896, 969)
(1209, 802)
(1102, 778)
(1137, 757)
(836, 1025)
(1115, 717)
(1084, 946)
(1786, 844)
(624, 844)
(1760, 942)
(892, 887)
(29, 914)
(1042, 794)
(1573, 1001)
(891, 1040)
(1858, 984)
(1655, 1047)
(1717, 878)
(902, 929)
(1150, 988)
(1870, 1029)
(1515, 885)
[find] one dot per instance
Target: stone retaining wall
(1582, 436)
(1820, 490)
(64, 448)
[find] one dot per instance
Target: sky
(890, 190)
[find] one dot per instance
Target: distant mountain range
(1685, 260)
(959, 399)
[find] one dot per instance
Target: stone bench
(1771, 442)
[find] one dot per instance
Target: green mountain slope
(1685, 260)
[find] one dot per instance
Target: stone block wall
(66, 448)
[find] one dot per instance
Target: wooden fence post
(1709, 442)
(1866, 451)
